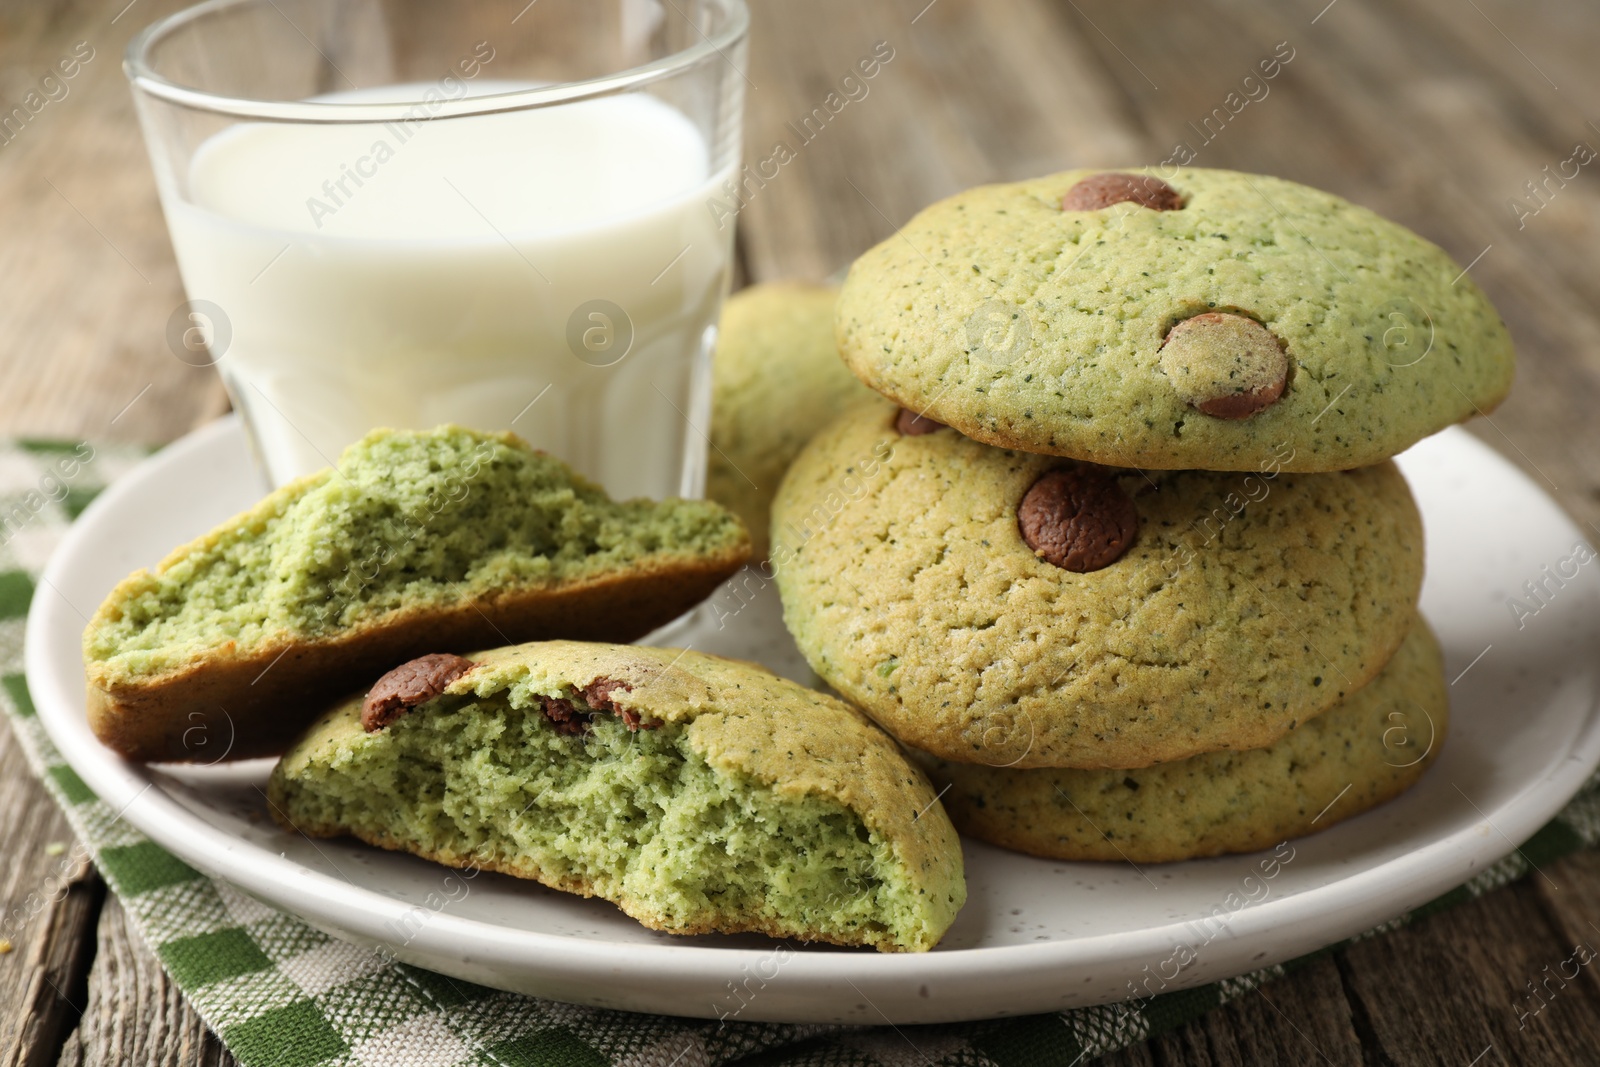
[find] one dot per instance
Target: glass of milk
(510, 216)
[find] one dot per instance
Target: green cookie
(441, 540)
(1332, 335)
(1208, 610)
(776, 380)
(1365, 750)
(699, 794)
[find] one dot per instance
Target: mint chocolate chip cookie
(1001, 607)
(699, 794)
(1363, 751)
(1211, 322)
(776, 380)
(419, 542)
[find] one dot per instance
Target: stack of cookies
(1119, 551)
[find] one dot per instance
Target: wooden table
(1435, 112)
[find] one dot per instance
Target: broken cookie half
(436, 541)
(698, 794)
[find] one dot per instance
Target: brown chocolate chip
(1225, 365)
(565, 716)
(408, 685)
(910, 424)
(598, 695)
(1102, 190)
(1078, 518)
(570, 719)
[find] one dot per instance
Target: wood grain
(49, 897)
(89, 288)
(133, 1012)
(973, 93)
(1435, 112)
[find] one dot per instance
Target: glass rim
(136, 66)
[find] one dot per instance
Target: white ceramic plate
(1035, 935)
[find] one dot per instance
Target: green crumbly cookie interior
(637, 817)
(406, 519)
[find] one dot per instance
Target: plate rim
(1402, 882)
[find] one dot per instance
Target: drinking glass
(403, 213)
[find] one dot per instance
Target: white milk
(404, 276)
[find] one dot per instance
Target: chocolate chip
(565, 716)
(1225, 365)
(910, 424)
(1102, 190)
(408, 685)
(598, 696)
(569, 719)
(1078, 518)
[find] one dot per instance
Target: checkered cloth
(279, 993)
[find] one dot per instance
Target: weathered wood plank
(86, 266)
(972, 93)
(134, 1013)
(1304, 1019)
(49, 896)
(58, 964)
(1456, 986)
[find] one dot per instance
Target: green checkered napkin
(280, 993)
